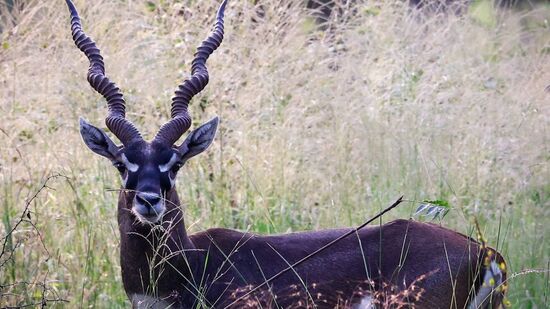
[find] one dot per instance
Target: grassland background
(319, 129)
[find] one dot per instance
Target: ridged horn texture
(123, 129)
(171, 131)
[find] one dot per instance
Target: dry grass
(366, 295)
(318, 129)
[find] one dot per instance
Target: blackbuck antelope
(424, 265)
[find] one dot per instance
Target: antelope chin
(148, 215)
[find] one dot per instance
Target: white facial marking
(172, 181)
(132, 167)
(166, 167)
(124, 179)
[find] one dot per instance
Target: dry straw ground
(319, 129)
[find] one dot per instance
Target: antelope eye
(120, 166)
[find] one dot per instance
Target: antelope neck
(162, 253)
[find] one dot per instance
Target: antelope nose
(147, 199)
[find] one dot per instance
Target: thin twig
(25, 215)
(6, 254)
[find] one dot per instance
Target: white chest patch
(366, 303)
(166, 167)
(141, 301)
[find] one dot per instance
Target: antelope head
(148, 169)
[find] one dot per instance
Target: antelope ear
(97, 140)
(199, 140)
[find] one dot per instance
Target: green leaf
(151, 7)
(483, 12)
(441, 203)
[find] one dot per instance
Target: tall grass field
(322, 126)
